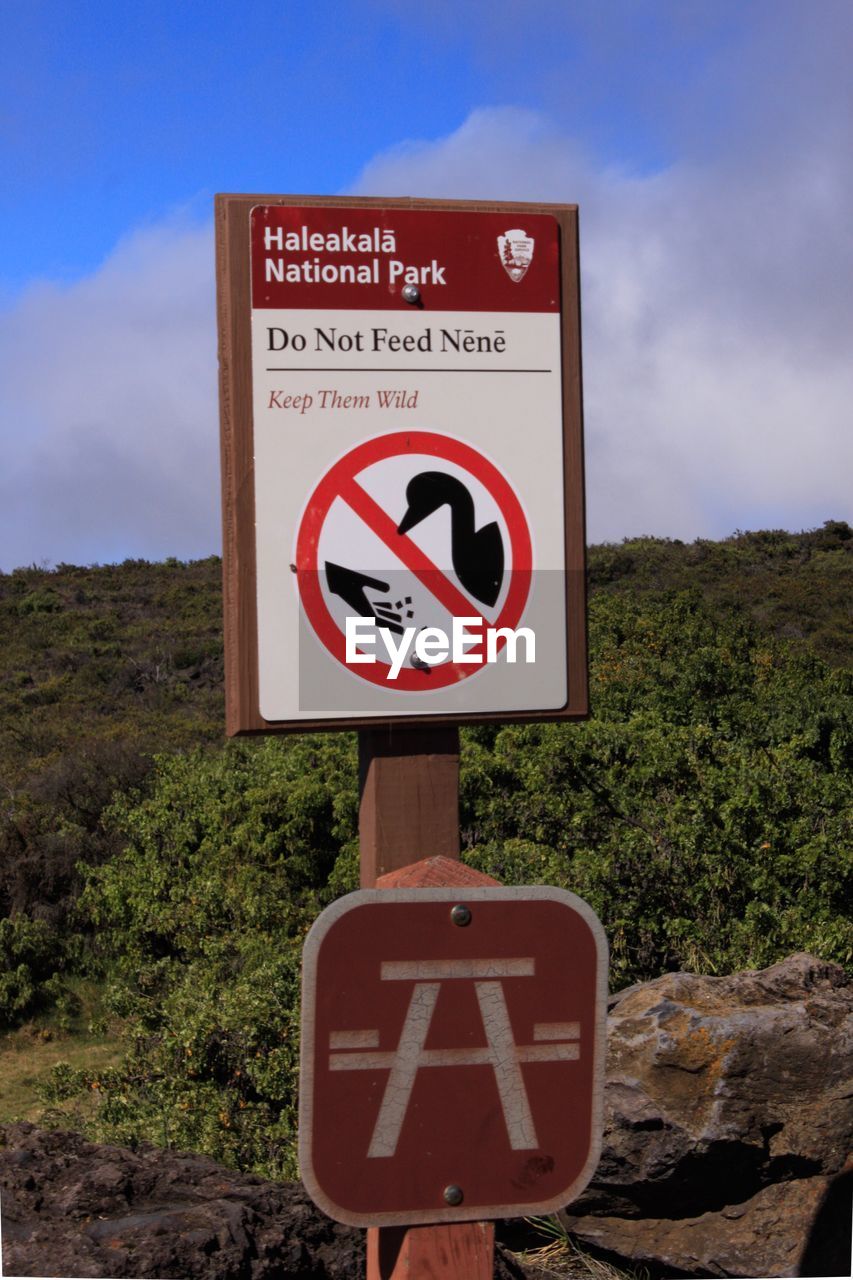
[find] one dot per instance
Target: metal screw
(410, 293)
(460, 915)
(453, 1194)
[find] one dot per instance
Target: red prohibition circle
(339, 479)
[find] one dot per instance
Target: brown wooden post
(409, 797)
(457, 1251)
(409, 811)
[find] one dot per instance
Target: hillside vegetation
(796, 586)
(704, 811)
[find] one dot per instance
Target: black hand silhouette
(352, 586)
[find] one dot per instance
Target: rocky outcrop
(728, 1124)
(74, 1208)
(728, 1128)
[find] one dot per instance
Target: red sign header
(342, 258)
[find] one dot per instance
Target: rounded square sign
(402, 450)
(452, 1054)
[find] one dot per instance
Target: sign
(452, 1054)
(402, 446)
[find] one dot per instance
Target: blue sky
(115, 114)
(708, 145)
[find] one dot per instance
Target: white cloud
(716, 321)
(108, 408)
(717, 299)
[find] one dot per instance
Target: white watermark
(471, 641)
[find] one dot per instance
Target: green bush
(704, 812)
(201, 921)
(45, 600)
(61, 1083)
(30, 955)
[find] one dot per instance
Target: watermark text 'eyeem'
(471, 641)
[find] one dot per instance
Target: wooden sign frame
(232, 219)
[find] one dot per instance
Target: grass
(28, 1054)
(560, 1255)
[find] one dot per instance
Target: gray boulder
(728, 1125)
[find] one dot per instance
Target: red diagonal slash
(415, 560)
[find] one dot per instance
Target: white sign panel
(407, 405)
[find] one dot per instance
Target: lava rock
(77, 1208)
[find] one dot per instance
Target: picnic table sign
(452, 1054)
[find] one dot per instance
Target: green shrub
(43, 600)
(30, 955)
(61, 1083)
(704, 812)
(201, 920)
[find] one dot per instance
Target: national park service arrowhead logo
(516, 250)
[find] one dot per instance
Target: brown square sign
(452, 1054)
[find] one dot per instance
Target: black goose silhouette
(477, 554)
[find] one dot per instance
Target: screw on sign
(413, 530)
(452, 1054)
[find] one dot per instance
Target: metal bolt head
(453, 1194)
(460, 915)
(410, 293)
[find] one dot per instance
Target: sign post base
(451, 1251)
(409, 836)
